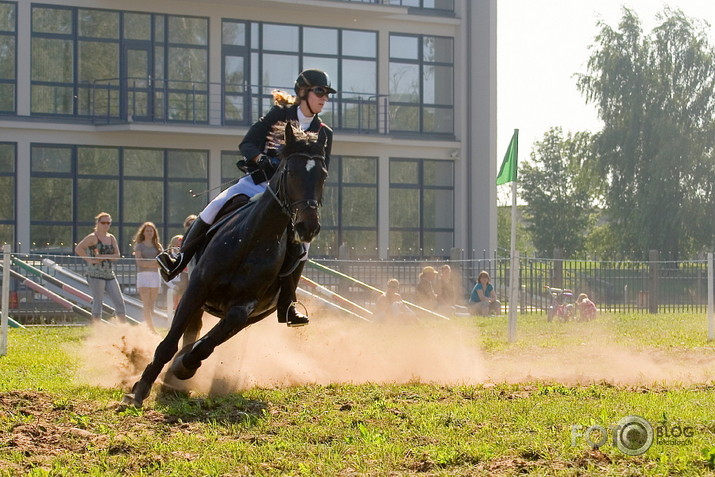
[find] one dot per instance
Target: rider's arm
(255, 139)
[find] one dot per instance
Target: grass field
(529, 412)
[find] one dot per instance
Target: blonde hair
(281, 98)
(139, 237)
(393, 283)
(189, 220)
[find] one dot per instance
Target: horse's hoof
(140, 391)
(180, 371)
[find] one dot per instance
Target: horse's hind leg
(163, 353)
(190, 358)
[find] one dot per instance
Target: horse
(237, 275)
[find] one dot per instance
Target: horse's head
(303, 176)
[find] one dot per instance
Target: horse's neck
(268, 215)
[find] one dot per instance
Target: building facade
(137, 108)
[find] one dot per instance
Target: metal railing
(146, 100)
(615, 286)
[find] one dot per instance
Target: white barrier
(5, 298)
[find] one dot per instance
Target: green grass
(51, 426)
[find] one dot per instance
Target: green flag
(507, 172)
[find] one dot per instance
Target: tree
(559, 191)
(655, 95)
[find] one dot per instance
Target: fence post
(557, 280)
(711, 299)
(5, 298)
(653, 258)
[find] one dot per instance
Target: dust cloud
(334, 349)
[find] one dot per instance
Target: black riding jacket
(254, 142)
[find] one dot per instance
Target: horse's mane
(305, 140)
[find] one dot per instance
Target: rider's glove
(265, 168)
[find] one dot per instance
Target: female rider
(312, 88)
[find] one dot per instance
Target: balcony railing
(145, 100)
(427, 5)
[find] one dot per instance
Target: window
(349, 212)
(7, 192)
(421, 208)
(275, 53)
(421, 84)
(8, 54)
(71, 184)
(117, 65)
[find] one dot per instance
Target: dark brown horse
(237, 276)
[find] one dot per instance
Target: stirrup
(296, 319)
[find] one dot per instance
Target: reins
(292, 209)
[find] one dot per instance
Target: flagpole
(508, 173)
(513, 269)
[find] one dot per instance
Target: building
(136, 108)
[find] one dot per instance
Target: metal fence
(615, 286)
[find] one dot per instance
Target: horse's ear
(289, 133)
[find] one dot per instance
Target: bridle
(294, 208)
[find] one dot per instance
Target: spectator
(99, 249)
(445, 287)
(425, 292)
(483, 300)
(390, 303)
(146, 248)
(586, 308)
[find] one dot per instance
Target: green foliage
(560, 190)
(656, 96)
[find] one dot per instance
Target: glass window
(98, 161)
(320, 40)
(143, 200)
(234, 33)
(97, 60)
(359, 43)
(406, 47)
(52, 60)
(144, 162)
(279, 71)
(8, 16)
(7, 192)
(137, 26)
(359, 77)
(421, 82)
(280, 37)
(98, 23)
(52, 20)
(188, 30)
(51, 199)
(95, 195)
(421, 208)
(51, 159)
(187, 164)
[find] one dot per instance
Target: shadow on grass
(224, 409)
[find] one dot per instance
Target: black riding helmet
(311, 78)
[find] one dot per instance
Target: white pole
(5, 298)
(514, 272)
(711, 300)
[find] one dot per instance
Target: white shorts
(148, 280)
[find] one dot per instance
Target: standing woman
(146, 247)
(99, 249)
(260, 150)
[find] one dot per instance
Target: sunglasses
(320, 92)
(105, 223)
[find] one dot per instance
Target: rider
(312, 88)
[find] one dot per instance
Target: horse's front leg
(185, 316)
(189, 359)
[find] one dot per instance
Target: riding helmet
(312, 77)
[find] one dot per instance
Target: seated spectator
(586, 308)
(445, 286)
(425, 294)
(483, 300)
(390, 303)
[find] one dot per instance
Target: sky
(541, 44)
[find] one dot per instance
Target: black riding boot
(170, 267)
(286, 298)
